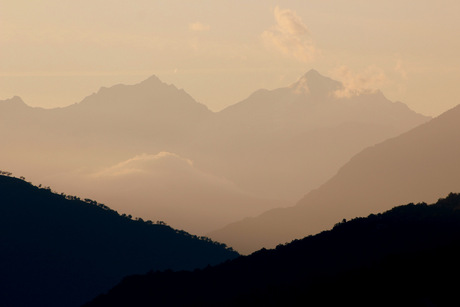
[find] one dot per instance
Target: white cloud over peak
(289, 22)
(291, 36)
(354, 83)
(399, 68)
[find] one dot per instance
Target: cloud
(147, 164)
(198, 27)
(354, 83)
(164, 168)
(164, 186)
(399, 69)
(291, 36)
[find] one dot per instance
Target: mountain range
(282, 143)
(420, 165)
(60, 250)
(151, 151)
(196, 169)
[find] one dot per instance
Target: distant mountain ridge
(270, 149)
(58, 250)
(421, 164)
(292, 139)
(314, 101)
(123, 120)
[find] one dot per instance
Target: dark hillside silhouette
(58, 250)
(422, 164)
(407, 256)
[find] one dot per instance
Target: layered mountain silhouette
(167, 187)
(262, 153)
(58, 250)
(282, 143)
(421, 164)
(105, 128)
(407, 256)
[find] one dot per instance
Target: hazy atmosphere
(56, 52)
(268, 152)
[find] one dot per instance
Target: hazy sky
(56, 52)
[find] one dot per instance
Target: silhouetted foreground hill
(403, 257)
(57, 250)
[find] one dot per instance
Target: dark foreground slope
(60, 251)
(406, 256)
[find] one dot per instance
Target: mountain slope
(61, 251)
(167, 187)
(422, 164)
(68, 148)
(284, 142)
(264, 152)
(325, 269)
(113, 124)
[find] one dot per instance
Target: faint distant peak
(152, 82)
(147, 94)
(315, 84)
(14, 101)
(153, 79)
(314, 76)
(17, 99)
(313, 73)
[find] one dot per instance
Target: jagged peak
(313, 73)
(314, 83)
(153, 79)
(154, 82)
(149, 82)
(15, 100)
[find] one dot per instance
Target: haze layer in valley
(422, 164)
(152, 151)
